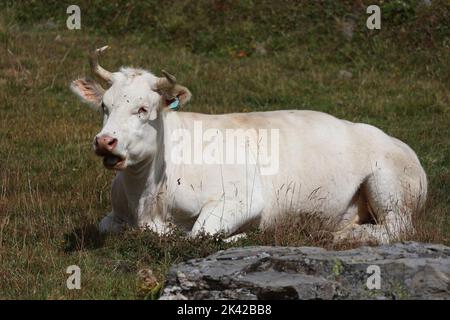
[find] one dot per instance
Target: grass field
(234, 56)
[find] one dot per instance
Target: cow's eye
(104, 109)
(142, 110)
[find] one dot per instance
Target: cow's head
(131, 106)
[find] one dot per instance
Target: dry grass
(53, 190)
(302, 230)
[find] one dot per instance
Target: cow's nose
(105, 143)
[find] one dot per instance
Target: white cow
(368, 182)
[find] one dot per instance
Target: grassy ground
(234, 56)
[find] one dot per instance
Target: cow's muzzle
(105, 146)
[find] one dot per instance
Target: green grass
(53, 188)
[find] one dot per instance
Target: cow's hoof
(235, 238)
(110, 225)
(361, 234)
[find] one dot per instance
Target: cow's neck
(145, 181)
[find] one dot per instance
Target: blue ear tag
(175, 105)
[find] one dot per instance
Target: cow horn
(96, 68)
(172, 80)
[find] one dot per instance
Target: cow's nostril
(112, 142)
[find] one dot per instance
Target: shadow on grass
(82, 238)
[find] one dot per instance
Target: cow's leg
(357, 214)
(227, 217)
(110, 224)
(118, 218)
(390, 210)
(390, 200)
(156, 225)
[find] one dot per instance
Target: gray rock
(344, 74)
(260, 49)
(348, 29)
(408, 270)
(426, 3)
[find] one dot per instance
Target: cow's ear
(175, 97)
(183, 94)
(88, 91)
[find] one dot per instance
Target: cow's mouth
(112, 161)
